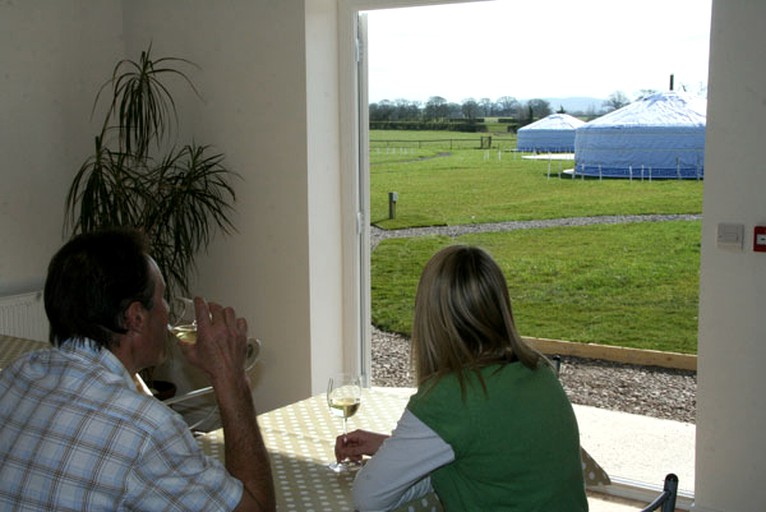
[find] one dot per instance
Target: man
(76, 434)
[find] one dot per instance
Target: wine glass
(183, 320)
(184, 327)
(253, 352)
(344, 395)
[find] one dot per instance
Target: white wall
(282, 270)
(53, 58)
(328, 264)
(731, 402)
(253, 79)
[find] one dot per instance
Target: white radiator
(23, 316)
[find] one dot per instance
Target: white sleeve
(399, 471)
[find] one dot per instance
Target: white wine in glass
(186, 333)
(184, 327)
(184, 323)
(344, 396)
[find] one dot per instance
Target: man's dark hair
(91, 282)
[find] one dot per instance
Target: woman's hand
(357, 444)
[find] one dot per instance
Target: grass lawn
(469, 186)
(633, 285)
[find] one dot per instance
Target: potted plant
(139, 177)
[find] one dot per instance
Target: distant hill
(576, 103)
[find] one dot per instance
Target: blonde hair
(463, 318)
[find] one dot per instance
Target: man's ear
(135, 317)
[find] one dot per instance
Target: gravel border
(646, 390)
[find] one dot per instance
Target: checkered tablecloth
(301, 439)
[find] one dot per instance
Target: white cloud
(537, 48)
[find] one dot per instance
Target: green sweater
(516, 448)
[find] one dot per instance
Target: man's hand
(221, 346)
(220, 351)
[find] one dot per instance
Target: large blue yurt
(660, 136)
(552, 134)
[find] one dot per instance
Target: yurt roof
(661, 109)
(555, 122)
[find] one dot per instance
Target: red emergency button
(759, 239)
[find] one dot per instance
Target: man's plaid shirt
(76, 435)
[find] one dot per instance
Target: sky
(538, 49)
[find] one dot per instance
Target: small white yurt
(552, 134)
(661, 136)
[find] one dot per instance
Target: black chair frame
(667, 498)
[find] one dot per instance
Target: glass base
(344, 466)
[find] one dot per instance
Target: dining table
(300, 438)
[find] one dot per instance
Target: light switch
(731, 236)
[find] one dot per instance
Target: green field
(630, 285)
(439, 186)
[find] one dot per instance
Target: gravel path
(651, 391)
(377, 234)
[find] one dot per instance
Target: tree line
(437, 109)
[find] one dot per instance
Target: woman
(490, 427)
